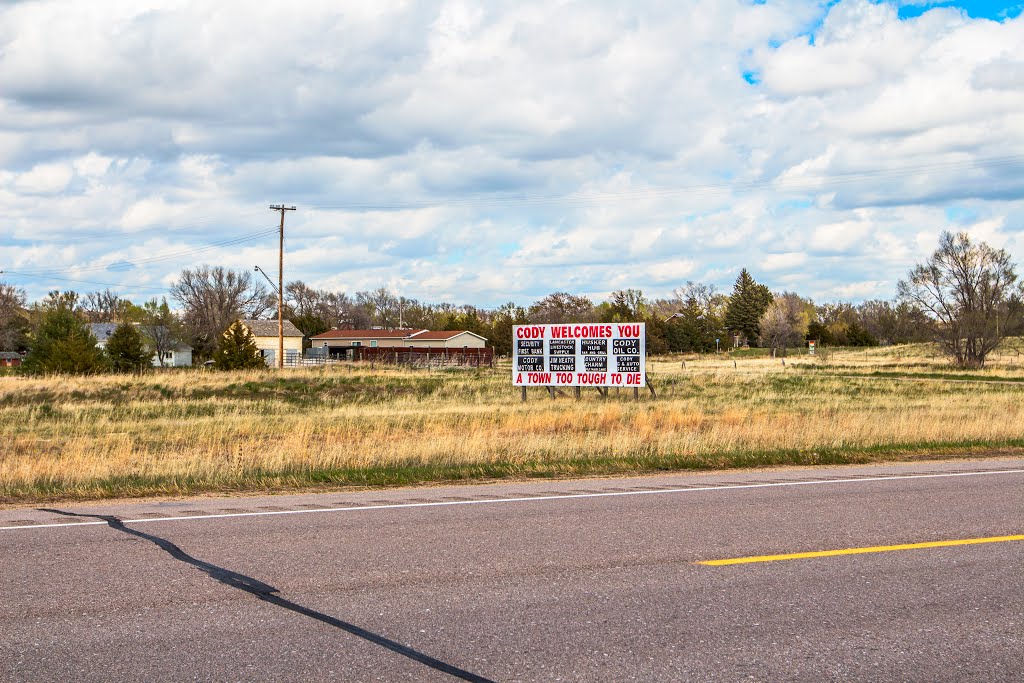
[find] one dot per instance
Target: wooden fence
(415, 357)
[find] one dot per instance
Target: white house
(178, 357)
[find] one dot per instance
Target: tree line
(965, 296)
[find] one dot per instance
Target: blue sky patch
(961, 215)
(996, 10)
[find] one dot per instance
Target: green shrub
(237, 350)
(63, 344)
(127, 350)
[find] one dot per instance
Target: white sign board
(579, 355)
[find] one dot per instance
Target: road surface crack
(269, 594)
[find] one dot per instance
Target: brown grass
(185, 432)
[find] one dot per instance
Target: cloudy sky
(485, 152)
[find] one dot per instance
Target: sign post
(596, 355)
(810, 347)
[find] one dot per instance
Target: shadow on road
(269, 594)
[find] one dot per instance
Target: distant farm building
(10, 359)
(445, 347)
(340, 341)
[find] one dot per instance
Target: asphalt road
(592, 580)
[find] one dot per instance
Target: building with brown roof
(10, 359)
(356, 338)
(338, 341)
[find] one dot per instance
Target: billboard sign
(579, 355)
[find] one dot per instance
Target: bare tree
(161, 328)
(971, 292)
(338, 310)
(381, 306)
(415, 314)
(302, 299)
(213, 298)
(104, 307)
(706, 297)
(561, 307)
(61, 300)
(897, 323)
(13, 318)
(784, 323)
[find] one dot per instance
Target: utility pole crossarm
(280, 286)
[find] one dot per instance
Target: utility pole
(280, 286)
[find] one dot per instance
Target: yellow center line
(860, 551)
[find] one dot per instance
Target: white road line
(528, 499)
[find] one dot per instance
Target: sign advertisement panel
(579, 355)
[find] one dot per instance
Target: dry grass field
(186, 432)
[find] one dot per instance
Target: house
(447, 339)
(354, 338)
(339, 341)
(265, 332)
(179, 356)
(10, 359)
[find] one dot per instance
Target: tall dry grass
(183, 432)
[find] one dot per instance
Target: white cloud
(44, 179)
(483, 152)
(839, 237)
(784, 261)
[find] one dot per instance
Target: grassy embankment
(201, 431)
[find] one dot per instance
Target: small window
(373, 343)
(357, 343)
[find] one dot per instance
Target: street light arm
(260, 271)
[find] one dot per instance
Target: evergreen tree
(237, 350)
(126, 349)
(817, 331)
(63, 344)
(858, 336)
(691, 330)
(309, 324)
(747, 304)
